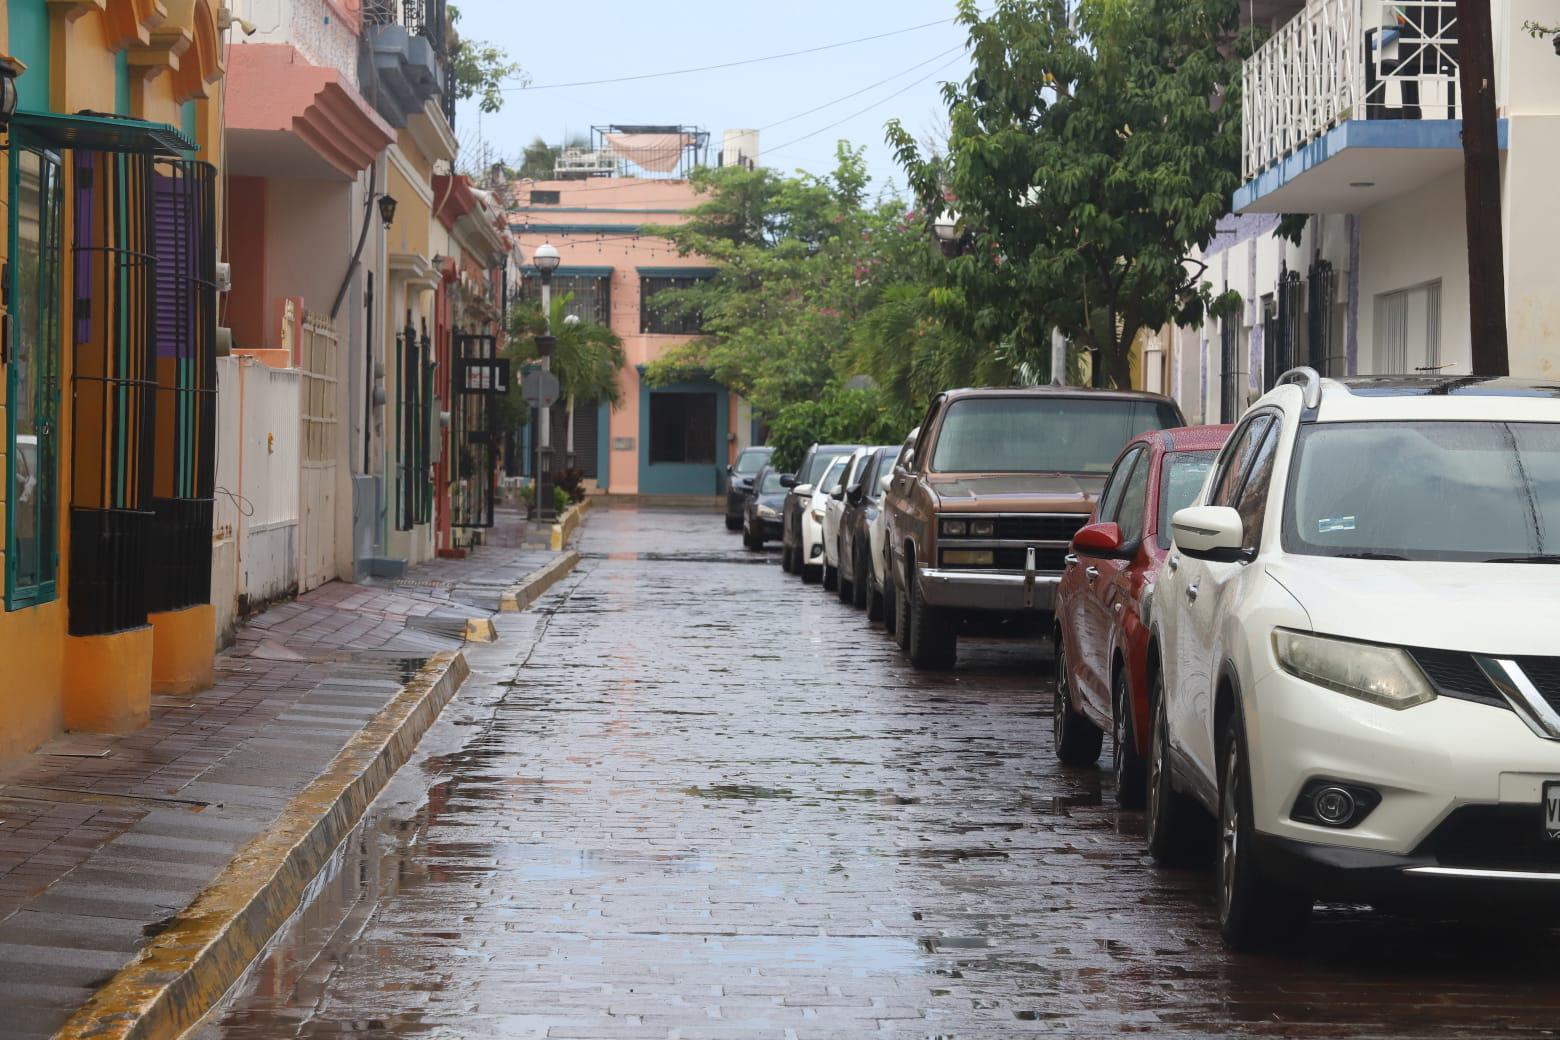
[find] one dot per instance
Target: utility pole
(1481, 176)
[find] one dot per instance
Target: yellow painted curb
(181, 974)
(568, 523)
(531, 587)
(480, 630)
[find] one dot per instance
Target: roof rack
(1308, 380)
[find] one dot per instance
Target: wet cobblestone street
(688, 796)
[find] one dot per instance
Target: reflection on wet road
(711, 802)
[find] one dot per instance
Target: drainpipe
(335, 309)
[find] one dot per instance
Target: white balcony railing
(1348, 59)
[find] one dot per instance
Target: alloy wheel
(1118, 741)
(1156, 768)
(1229, 831)
(1059, 701)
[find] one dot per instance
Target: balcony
(408, 41)
(1350, 103)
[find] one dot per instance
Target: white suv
(1355, 662)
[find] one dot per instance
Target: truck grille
(1048, 528)
(1045, 559)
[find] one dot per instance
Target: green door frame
(47, 403)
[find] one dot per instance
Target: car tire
(831, 577)
(785, 558)
(733, 523)
(890, 602)
(901, 616)
(1130, 768)
(1255, 910)
(860, 590)
(1170, 813)
(933, 644)
(811, 574)
(1077, 740)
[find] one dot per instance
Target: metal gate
(320, 357)
(1323, 286)
(1281, 329)
(480, 375)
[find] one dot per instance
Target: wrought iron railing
(1348, 59)
(430, 20)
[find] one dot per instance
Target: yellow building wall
(53, 680)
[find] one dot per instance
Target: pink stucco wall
(611, 203)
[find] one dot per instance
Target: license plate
(1552, 810)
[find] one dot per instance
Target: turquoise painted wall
(29, 44)
(664, 478)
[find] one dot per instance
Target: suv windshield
(1043, 434)
(1478, 491)
(832, 475)
(750, 461)
(815, 469)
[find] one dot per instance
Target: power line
(863, 90)
(732, 64)
(905, 89)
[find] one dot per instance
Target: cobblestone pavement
(697, 799)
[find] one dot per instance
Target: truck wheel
(933, 643)
(901, 627)
(1255, 909)
(1076, 741)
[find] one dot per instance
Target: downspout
(335, 309)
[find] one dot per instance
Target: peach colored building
(672, 440)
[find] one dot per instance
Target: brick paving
(703, 800)
(95, 851)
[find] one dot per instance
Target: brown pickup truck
(982, 509)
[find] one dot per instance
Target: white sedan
(834, 511)
(813, 544)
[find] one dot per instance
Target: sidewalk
(104, 839)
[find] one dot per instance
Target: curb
(533, 585)
(567, 524)
(179, 976)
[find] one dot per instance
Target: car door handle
(1070, 560)
(1175, 562)
(1191, 593)
(1091, 573)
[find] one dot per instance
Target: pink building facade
(672, 440)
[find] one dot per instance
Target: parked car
(1102, 601)
(813, 517)
(834, 512)
(800, 487)
(882, 561)
(1353, 658)
(739, 483)
(984, 505)
(765, 506)
(862, 504)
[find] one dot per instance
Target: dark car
(794, 556)
(763, 508)
(863, 498)
(1102, 602)
(739, 481)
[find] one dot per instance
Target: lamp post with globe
(546, 260)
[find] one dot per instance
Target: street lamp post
(546, 259)
(568, 435)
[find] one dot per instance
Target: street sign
(540, 389)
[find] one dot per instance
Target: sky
(569, 42)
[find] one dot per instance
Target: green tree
(480, 69)
(1093, 148)
(586, 359)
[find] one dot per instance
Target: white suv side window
(1252, 503)
(1237, 460)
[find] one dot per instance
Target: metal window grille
(1323, 286)
(414, 382)
(320, 353)
(113, 391)
(589, 295)
(1228, 368)
(667, 320)
(1281, 328)
(474, 439)
(185, 358)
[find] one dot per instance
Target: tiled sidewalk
(102, 838)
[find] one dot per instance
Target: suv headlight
(1383, 675)
(768, 513)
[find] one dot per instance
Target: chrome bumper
(988, 590)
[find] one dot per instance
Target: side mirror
(855, 495)
(837, 494)
(788, 480)
(886, 482)
(803, 489)
(907, 458)
(1098, 540)
(1209, 532)
(746, 484)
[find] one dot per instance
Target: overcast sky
(569, 42)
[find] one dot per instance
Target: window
(885, 467)
(1252, 503)
(473, 434)
(1229, 369)
(750, 461)
(32, 375)
(114, 387)
(1181, 476)
(1237, 460)
(414, 433)
(545, 198)
(184, 284)
(1134, 499)
(682, 428)
(1110, 500)
(1408, 331)
(668, 319)
(1043, 434)
(586, 295)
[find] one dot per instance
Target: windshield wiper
(1534, 558)
(1368, 556)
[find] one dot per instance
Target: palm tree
(586, 360)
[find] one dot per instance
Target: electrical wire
(729, 64)
(861, 112)
(863, 90)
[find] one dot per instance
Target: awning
(100, 133)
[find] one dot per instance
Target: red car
(1101, 631)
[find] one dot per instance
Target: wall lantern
(387, 206)
(10, 68)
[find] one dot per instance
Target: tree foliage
(586, 359)
(481, 70)
(1094, 146)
